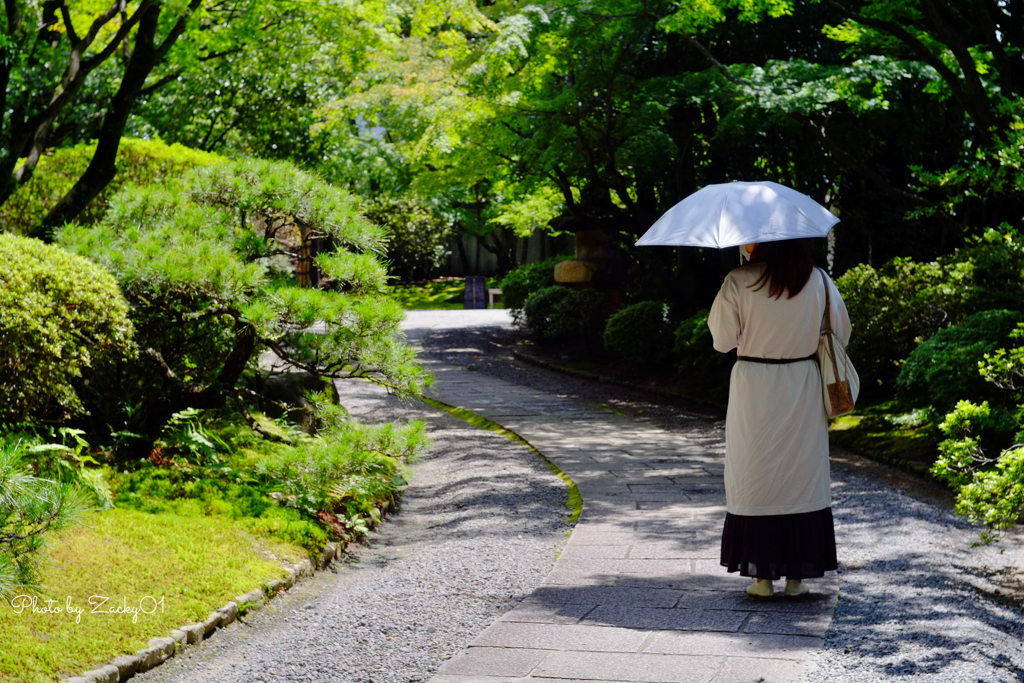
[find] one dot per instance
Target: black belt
(776, 361)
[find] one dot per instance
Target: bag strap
(826, 317)
(826, 328)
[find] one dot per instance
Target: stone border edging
(161, 649)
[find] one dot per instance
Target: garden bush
(306, 490)
(59, 314)
(139, 162)
(209, 274)
(695, 348)
(519, 284)
(900, 304)
(641, 332)
(559, 313)
(704, 372)
(944, 369)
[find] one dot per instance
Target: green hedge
(58, 313)
(139, 162)
(641, 332)
(560, 313)
(519, 284)
(894, 307)
(944, 369)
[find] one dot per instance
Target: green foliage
(62, 456)
(894, 307)
(305, 492)
(944, 369)
(561, 313)
(59, 313)
(31, 507)
(695, 349)
(641, 332)
(348, 470)
(419, 240)
(208, 270)
(519, 284)
(139, 162)
(435, 294)
(989, 490)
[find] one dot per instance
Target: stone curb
(161, 649)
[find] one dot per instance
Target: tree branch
(963, 57)
(925, 55)
(65, 14)
(176, 30)
(150, 89)
(13, 16)
(1006, 79)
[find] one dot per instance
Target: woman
(778, 518)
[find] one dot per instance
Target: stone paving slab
(586, 638)
(667, 619)
(746, 670)
(630, 667)
(638, 595)
(538, 612)
(494, 661)
(758, 646)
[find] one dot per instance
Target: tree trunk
(179, 395)
(145, 56)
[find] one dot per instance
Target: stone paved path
(638, 594)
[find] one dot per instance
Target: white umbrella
(732, 214)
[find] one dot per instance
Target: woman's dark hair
(787, 267)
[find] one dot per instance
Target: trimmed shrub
(704, 371)
(695, 347)
(641, 332)
(139, 162)
(894, 307)
(560, 313)
(944, 369)
(519, 284)
(58, 313)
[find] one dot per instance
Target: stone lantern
(598, 262)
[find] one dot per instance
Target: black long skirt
(800, 546)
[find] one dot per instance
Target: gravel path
(482, 524)
(917, 601)
(478, 530)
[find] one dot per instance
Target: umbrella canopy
(731, 214)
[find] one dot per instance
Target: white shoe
(795, 589)
(760, 589)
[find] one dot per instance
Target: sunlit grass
(448, 293)
(177, 568)
(876, 431)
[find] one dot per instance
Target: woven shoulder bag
(839, 379)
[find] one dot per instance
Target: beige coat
(776, 433)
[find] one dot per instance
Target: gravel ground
(478, 530)
(476, 534)
(917, 600)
